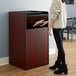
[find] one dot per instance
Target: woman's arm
(50, 25)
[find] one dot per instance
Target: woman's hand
(43, 23)
(49, 32)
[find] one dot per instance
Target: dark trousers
(58, 35)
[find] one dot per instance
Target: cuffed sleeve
(55, 9)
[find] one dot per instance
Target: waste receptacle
(28, 45)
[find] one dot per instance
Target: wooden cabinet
(28, 46)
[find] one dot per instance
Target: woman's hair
(63, 1)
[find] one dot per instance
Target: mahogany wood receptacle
(28, 46)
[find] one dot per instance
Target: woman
(58, 23)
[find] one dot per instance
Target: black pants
(58, 35)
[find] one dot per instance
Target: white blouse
(59, 13)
